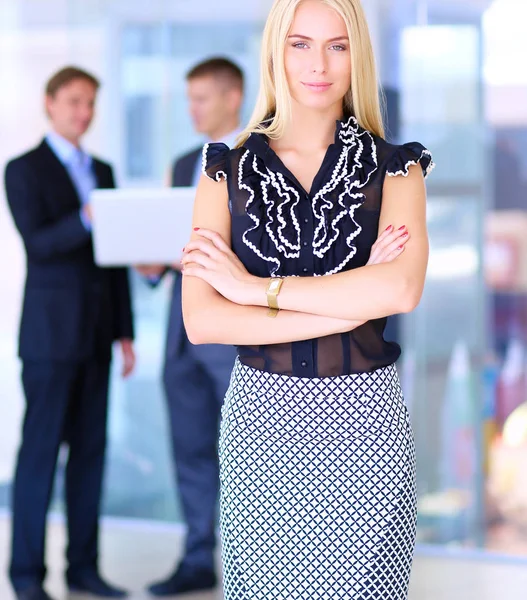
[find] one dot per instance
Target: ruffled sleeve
(412, 153)
(215, 161)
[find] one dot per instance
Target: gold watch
(273, 289)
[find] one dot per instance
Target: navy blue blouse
(280, 230)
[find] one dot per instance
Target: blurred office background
(455, 79)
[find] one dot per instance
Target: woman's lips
(316, 86)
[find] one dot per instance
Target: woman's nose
(319, 64)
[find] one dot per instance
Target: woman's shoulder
(218, 159)
(396, 159)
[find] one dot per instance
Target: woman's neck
(309, 129)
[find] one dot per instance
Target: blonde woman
(307, 236)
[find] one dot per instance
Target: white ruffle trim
(219, 175)
(404, 172)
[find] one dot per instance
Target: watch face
(274, 285)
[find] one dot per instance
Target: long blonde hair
(273, 105)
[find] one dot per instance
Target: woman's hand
(389, 245)
(211, 259)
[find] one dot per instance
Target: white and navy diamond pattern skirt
(318, 498)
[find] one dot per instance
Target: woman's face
(317, 57)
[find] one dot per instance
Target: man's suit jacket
(182, 176)
(185, 167)
(73, 310)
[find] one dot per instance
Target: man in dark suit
(72, 313)
(196, 377)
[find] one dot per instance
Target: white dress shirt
(79, 166)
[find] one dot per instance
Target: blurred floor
(135, 554)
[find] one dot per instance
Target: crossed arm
(224, 304)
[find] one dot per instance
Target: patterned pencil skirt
(318, 498)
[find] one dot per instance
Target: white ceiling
(35, 13)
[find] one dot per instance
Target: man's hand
(128, 357)
(150, 270)
(87, 212)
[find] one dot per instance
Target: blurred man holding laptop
(152, 232)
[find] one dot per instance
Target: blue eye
(300, 45)
(339, 48)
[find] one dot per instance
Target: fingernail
(400, 248)
(405, 234)
(196, 228)
(388, 228)
(403, 227)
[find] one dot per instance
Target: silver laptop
(141, 226)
